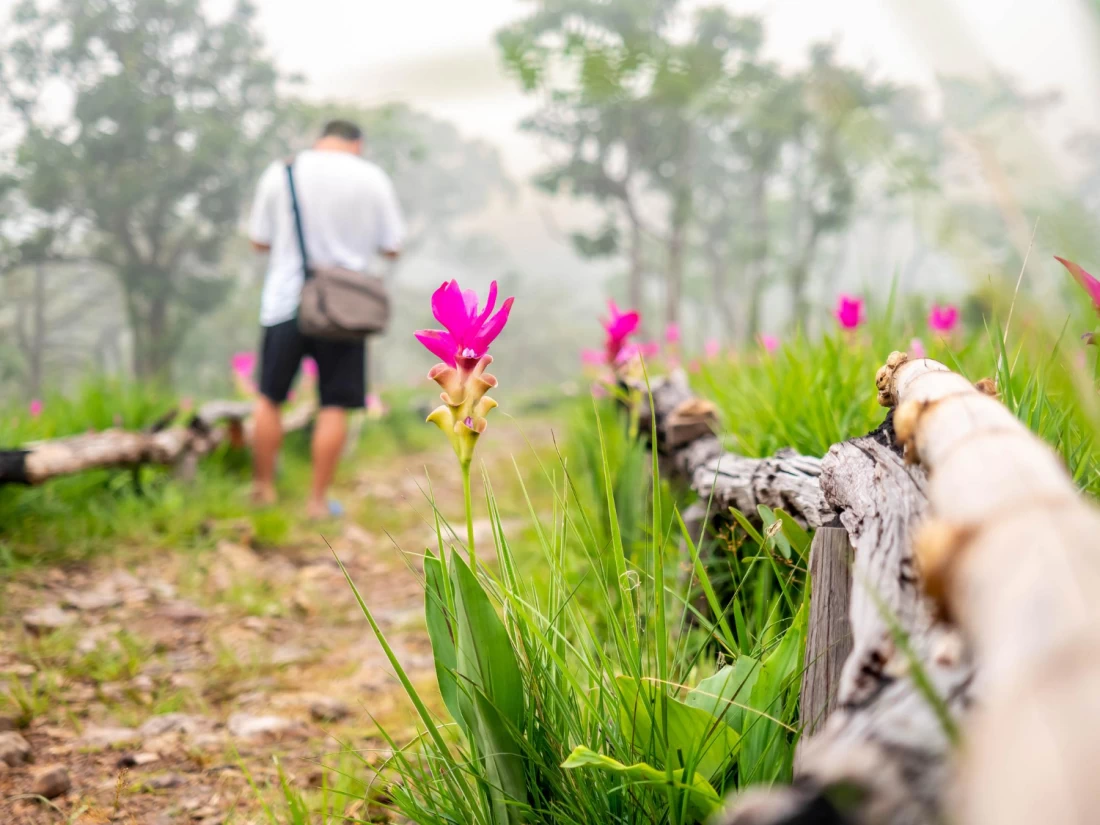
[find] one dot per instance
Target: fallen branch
(882, 756)
(215, 423)
(1012, 556)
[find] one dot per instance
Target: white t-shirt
(349, 214)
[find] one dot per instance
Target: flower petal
(490, 304)
(439, 343)
(488, 333)
(1090, 284)
(449, 308)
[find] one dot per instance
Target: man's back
(349, 213)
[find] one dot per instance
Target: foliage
(197, 127)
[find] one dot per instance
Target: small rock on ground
(165, 781)
(329, 709)
(171, 723)
(44, 619)
(51, 782)
(257, 728)
(14, 749)
(95, 737)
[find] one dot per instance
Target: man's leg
(329, 433)
(341, 380)
(280, 355)
(267, 437)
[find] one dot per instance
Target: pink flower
(695, 365)
(672, 334)
(1090, 284)
(916, 349)
(309, 367)
(943, 319)
(593, 358)
(712, 348)
(35, 408)
(769, 342)
(619, 326)
(243, 364)
(849, 311)
(469, 329)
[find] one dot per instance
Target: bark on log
(687, 444)
(41, 461)
(1013, 557)
(881, 757)
(829, 640)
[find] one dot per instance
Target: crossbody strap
(297, 218)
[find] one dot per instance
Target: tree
(170, 116)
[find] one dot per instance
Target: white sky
(439, 54)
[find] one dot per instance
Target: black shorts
(341, 365)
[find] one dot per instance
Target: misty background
(730, 167)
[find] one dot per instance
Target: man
(349, 215)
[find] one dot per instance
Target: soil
(183, 685)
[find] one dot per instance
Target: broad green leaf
(768, 518)
(693, 738)
(725, 694)
(484, 654)
(703, 800)
(797, 535)
(772, 699)
(503, 757)
(441, 634)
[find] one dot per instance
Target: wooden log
(685, 428)
(41, 461)
(882, 756)
(1013, 557)
(829, 640)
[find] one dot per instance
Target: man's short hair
(344, 129)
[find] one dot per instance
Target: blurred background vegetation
(727, 166)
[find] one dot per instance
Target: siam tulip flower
(469, 329)
(1087, 282)
(849, 311)
(376, 407)
(646, 350)
(943, 319)
(672, 334)
(712, 348)
(593, 358)
(309, 367)
(916, 349)
(769, 342)
(461, 375)
(243, 364)
(619, 326)
(35, 408)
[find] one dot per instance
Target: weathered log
(1012, 555)
(41, 461)
(829, 640)
(686, 440)
(882, 756)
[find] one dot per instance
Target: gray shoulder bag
(337, 303)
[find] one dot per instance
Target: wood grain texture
(884, 740)
(829, 638)
(1013, 556)
(41, 461)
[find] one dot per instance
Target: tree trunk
(634, 283)
(37, 354)
(719, 272)
(154, 349)
(800, 275)
(674, 278)
(758, 230)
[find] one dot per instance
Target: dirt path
(162, 684)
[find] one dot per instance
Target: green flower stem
(469, 514)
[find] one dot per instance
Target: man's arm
(391, 226)
(261, 224)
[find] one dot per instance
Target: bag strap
(297, 218)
